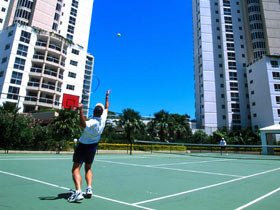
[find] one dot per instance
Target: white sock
(78, 191)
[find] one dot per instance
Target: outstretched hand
(80, 106)
(108, 92)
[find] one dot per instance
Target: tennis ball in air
(118, 34)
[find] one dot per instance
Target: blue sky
(150, 67)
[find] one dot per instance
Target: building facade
(44, 61)
(228, 37)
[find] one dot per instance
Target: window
(4, 60)
(234, 96)
(276, 75)
(236, 118)
(254, 115)
(10, 33)
(19, 63)
(230, 46)
(72, 74)
(73, 12)
(278, 111)
(70, 87)
(1, 20)
(69, 36)
(235, 107)
(16, 78)
(232, 65)
(76, 52)
(22, 50)
(233, 86)
(13, 93)
(72, 20)
(74, 63)
(233, 75)
(229, 37)
(277, 99)
(277, 87)
(25, 37)
(75, 3)
(1, 73)
(274, 64)
(7, 46)
(71, 29)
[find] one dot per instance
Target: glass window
(22, 50)
(72, 74)
(70, 87)
(25, 37)
(74, 63)
(274, 64)
(16, 78)
(19, 63)
(13, 93)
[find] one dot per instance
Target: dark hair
(97, 112)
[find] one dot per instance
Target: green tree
(131, 123)
(179, 128)
(66, 127)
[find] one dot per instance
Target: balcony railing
(52, 59)
(51, 73)
(30, 98)
(46, 100)
(33, 84)
(37, 56)
(41, 44)
(47, 86)
(36, 70)
(52, 46)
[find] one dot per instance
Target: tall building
(231, 39)
(44, 61)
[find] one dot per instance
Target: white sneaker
(76, 196)
(88, 192)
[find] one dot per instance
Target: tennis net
(267, 152)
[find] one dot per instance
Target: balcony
(36, 70)
(33, 84)
(50, 72)
(48, 86)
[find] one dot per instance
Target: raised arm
(107, 100)
(82, 117)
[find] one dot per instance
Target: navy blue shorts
(85, 153)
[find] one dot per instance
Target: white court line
(206, 187)
(50, 158)
(66, 188)
(258, 199)
(171, 169)
(186, 163)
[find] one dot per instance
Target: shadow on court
(59, 196)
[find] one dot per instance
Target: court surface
(146, 181)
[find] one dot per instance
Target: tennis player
(87, 147)
(223, 144)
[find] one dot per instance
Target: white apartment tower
(44, 61)
(229, 36)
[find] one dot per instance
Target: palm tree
(131, 123)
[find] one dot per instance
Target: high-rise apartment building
(44, 61)
(231, 40)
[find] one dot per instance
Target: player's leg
(76, 175)
(77, 194)
(88, 172)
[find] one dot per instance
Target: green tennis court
(141, 181)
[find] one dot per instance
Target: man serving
(86, 149)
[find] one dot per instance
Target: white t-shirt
(94, 128)
(223, 142)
